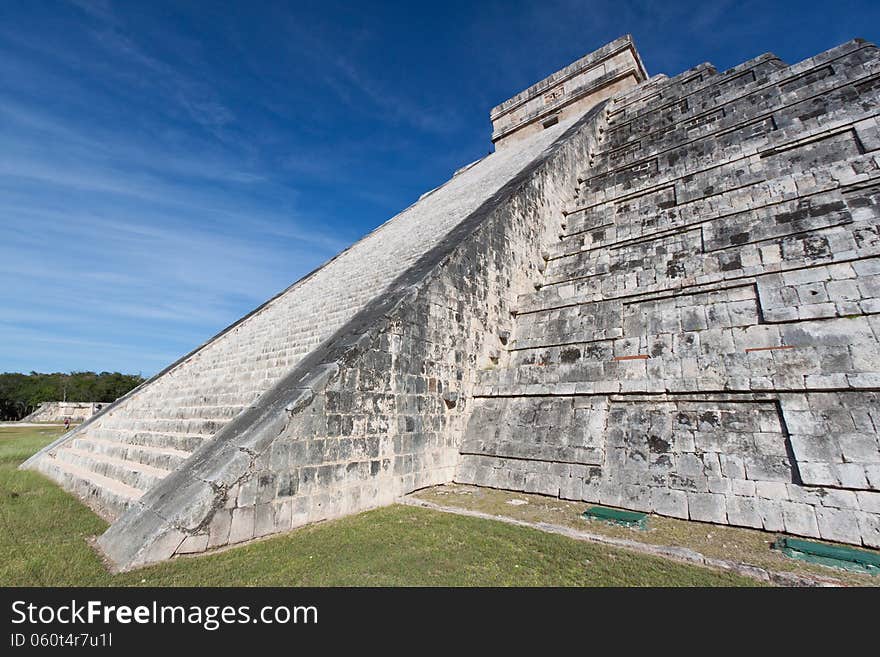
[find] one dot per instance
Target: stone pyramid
(659, 293)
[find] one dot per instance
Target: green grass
(44, 541)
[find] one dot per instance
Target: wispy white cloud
(361, 91)
(197, 98)
(128, 241)
(99, 9)
(354, 87)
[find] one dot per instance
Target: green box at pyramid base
(617, 516)
(836, 556)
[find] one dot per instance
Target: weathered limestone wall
(379, 410)
(705, 342)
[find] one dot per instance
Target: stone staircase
(111, 463)
(718, 262)
(112, 460)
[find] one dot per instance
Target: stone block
(840, 499)
(264, 520)
(732, 466)
(838, 525)
(872, 472)
(851, 475)
(571, 488)
(193, 544)
(743, 487)
(858, 447)
(543, 484)
(744, 512)
(707, 507)
(869, 501)
(818, 474)
(773, 490)
(719, 485)
(242, 526)
(669, 502)
(771, 515)
(799, 519)
(869, 527)
(218, 529)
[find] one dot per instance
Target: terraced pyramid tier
(704, 341)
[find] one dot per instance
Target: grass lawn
(44, 542)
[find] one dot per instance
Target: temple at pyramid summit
(658, 293)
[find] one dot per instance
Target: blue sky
(167, 166)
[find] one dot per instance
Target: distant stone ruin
(660, 294)
(58, 411)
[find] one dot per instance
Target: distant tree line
(20, 394)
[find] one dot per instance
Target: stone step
(194, 427)
(186, 412)
(771, 79)
(203, 397)
(759, 128)
(701, 270)
(223, 383)
(709, 115)
(131, 473)
(182, 442)
(678, 260)
(286, 344)
(790, 116)
(108, 497)
(657, 211)
(761, 228)
(716, 130)
(661, 94)
(702, 172)
(166, 458)
(733, 245)
(245, 367)
(669, 348)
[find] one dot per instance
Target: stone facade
(704, 340)
(667, 302)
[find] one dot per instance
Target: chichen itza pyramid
(658, 293)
